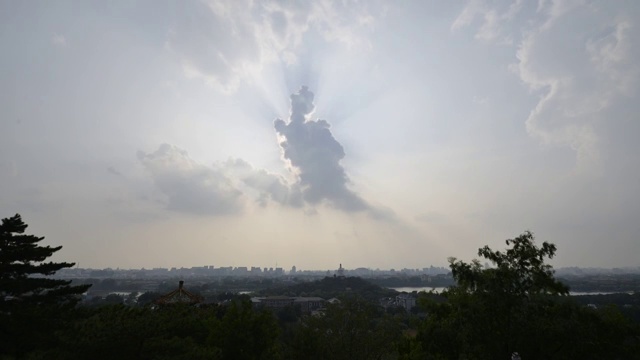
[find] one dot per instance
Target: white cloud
(314, 155)
(191, 187)
(576, 56)
(493, 19)
(611, 56)
(582, 71)
(270, 187)
(225, 42)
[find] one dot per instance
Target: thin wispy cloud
(226, 42)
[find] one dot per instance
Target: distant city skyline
(376, 134)
(280, 271)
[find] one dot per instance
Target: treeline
(333, 287)
(611, 283)
(450, 326)
(516, 305)
(432, 281)
(627, 304)
(356, 329)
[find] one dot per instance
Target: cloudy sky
(311, 133)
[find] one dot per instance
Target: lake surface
(418, 289)
(438, 290)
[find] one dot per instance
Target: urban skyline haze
(373, 133)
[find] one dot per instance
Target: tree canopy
(520, 271)
(31, 303)
(22, 259)
(516, 305)
(513, 304)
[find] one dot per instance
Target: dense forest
(514, 305)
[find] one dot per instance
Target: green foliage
(519, 272)
(148, 298)
(20, 259)
(176, 331)
(246, 333)
(121, 332)
(516, 305)
(354, 329)
(31, 304)
(334, 287)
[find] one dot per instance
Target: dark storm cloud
(191, 187)
(314, 155)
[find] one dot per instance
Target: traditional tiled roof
(179, 296)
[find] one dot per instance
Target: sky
(373, 134)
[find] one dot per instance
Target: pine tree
(32, 304)
(21, 261)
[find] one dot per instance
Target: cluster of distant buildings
(240, 271)
(306, 304)
(405, 301)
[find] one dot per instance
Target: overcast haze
(374, 134)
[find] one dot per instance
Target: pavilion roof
(180, 295)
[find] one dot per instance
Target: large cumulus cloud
(314, 156)
(270, 187)
(309, 149)
(218, 189)
(191, 187)
(579, 57)
(583, 68)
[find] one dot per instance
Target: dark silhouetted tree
(21, 257)
(30, 301)
(245, 332)
(518, 305)
(353, 329)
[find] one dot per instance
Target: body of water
(438, 290)
(409, 289)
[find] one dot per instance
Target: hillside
(331, 287)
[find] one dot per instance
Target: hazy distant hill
(331, 287)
